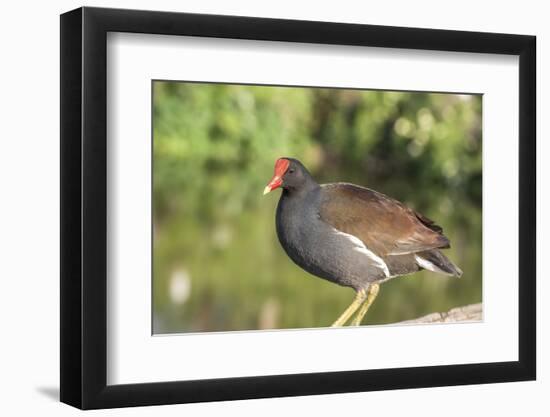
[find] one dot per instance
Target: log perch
(468, 313)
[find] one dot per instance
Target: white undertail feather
(424, 263)
(359, 246)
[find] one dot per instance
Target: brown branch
(468, 313)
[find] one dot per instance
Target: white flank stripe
(360, 247)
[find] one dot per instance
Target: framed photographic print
(257, 207)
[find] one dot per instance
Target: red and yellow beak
(280, 169)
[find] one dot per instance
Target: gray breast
(322, 250)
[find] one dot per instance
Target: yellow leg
(359, 299)
(372, 293)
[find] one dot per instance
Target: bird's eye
(291, 171)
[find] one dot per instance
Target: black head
(291, 175)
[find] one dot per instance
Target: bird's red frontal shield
(281, 165)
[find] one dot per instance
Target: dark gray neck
(304, 189)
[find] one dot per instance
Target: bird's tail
(434, 260)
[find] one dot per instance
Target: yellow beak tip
(266, 190)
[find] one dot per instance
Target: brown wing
(384, 225)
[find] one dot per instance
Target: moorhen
(353, 236)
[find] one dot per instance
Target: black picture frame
(84, 207)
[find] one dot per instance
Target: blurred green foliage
(217, 262)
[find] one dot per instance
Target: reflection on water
(250, 283)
